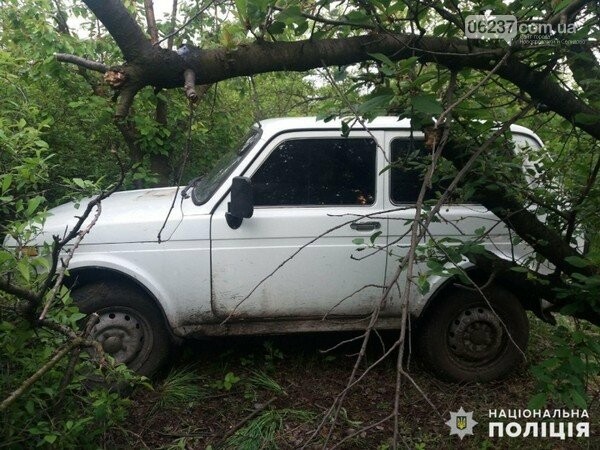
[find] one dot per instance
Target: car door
(456, 219)
(295, 257)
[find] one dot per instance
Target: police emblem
(461, 423)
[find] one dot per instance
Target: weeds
(261, 433)
(264, 381)
(181, 386)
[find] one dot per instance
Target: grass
(189, 411)
(180, 387)
(261, 433)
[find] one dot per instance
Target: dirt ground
(271, 392)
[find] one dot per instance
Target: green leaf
(242, 9)
(6, 182)
(577, 261)
(375, 104)
(383, 58)
(578, 400)
(50, 438)
(374, 236)
(277, 27)
(32, 205)
(79, 182)
(23, 268)
(426, 104)
(358, 241)
(537, 401)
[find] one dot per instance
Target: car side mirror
(241, 205)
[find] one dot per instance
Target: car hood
(128, 216)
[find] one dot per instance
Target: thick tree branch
(585, 68)
(162, 68)
(502, 202)
(531, 286)
(122, 27)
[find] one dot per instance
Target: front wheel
(130, 327)
(463, 338)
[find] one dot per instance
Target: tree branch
(122, 27)
(151, 21)
(81, 62)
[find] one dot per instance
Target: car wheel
(130, 327)
(464, 338)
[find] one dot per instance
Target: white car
(266, 243)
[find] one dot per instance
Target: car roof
(276, 125)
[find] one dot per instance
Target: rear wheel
(130, 327)
(464, 339)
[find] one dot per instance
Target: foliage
(62, 405)
(74, 415)
(570, 366)
(227, 383)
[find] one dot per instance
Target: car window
(313, 171)
(410, 159)
(207, 186)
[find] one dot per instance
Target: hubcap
(121, 334)
(475, 335)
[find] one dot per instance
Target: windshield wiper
(190, 185)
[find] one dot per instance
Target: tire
(130, 328)
(463, 340)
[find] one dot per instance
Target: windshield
(207, 186)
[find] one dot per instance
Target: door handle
(365, 226)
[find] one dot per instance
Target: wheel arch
(479, 277)
(90, 274)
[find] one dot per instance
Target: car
(268, 242)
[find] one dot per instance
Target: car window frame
(280, 138)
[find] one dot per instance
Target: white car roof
(276, 125)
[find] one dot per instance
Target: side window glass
(409, 162)
(407, 170)
(339, 171)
